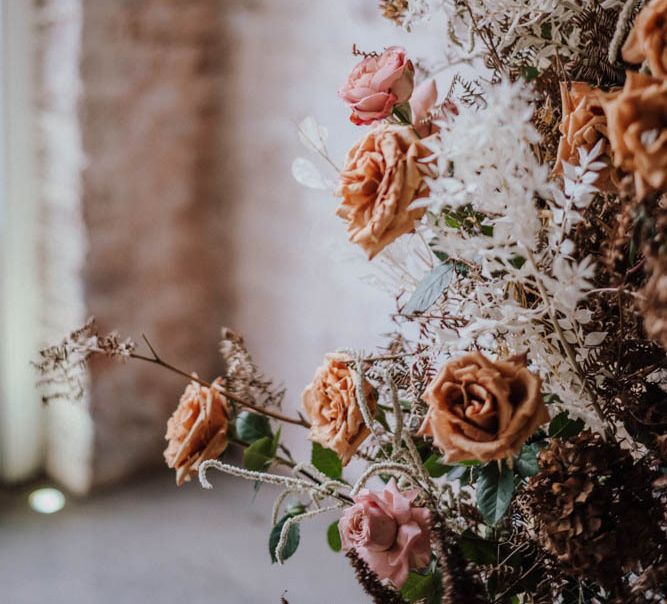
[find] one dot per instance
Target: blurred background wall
(164, 132)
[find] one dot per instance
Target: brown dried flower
(637, 123)
(483, 409)
(382, 177)
(589, 496)
(583, 125)
(330, 402)
(647, 40)
(197, 430)
(394, 10)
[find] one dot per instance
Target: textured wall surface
(150, 103)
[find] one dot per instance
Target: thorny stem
(157, 360)
(572, 357)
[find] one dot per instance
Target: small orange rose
(582, 126)
(330, 402)
(647, 40)
(197, 430)
(383, 175)
(637, 124)
(482, 409)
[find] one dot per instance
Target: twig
(157, 360)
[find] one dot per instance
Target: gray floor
(151, 542)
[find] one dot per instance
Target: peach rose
(378, 83)
(383, 175)
(197, 430)
(647, 40)
(390, 534)
(637, 124)
(583, 125)
(482, 409)
(330, 402)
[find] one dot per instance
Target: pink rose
(376, 84)
(390, 534)
(423, 103)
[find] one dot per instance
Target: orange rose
(583, 125)
(197, 430)
(481, 409)
(331, 404)
(382, 177)
(637, 123)
(647, 40)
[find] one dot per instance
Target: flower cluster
(512, 431)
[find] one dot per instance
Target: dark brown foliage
(371, 583)
(589, 497)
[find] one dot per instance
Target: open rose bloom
(388, 532)
(482, 409)
(197, 431)
(330, 402)
(378, 83)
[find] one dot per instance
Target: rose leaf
(252, 426)
(526, 463)
(430, 289)
(495, 488)
(258, 456)
(417, 587)
(292, 543)
(563, 427)
(326, 461)
(333, 537)
(434, 467)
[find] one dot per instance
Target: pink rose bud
(376, 84)
(388, 532)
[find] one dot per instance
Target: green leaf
(417, 587)
(292, 542)
(333, 537)
(476, 549)
(495, 488)
(526, 463)
(434, 467)
(326, 461)
(430, 289)
(258, 456)
(563, 427)
(252, 426)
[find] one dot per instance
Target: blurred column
(132, 223)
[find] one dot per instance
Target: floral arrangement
(513, 429)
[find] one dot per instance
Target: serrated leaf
(417, 587)
(434, 467)
(306, 173)
(312, 135)
(495, 488)
(430, 289)
(562, 426)
(252, 426)
(258, 456)
(292, 543)
(333, 537)
(526, 463)
(476, 549)
(326, 461)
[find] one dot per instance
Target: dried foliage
(372, 585)
(62, 367)
(588, 497)
(242, 377)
